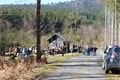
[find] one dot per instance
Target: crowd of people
(90, 50)
(57, 50)
(23, 52)
(76, 48)
(62, 50)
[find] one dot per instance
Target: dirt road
(81, 68)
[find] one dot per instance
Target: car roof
(109, 47)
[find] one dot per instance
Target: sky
(30, 1)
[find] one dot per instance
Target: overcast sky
(30, 1)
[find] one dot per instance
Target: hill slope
(73, 17)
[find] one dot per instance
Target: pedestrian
(95, 49)
(17, 51)
(29, 51)
(91, 50)
(10, 51)
(62, 51)
(23, 54)
(26, 53)
(88, 51)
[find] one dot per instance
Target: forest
(84, 22)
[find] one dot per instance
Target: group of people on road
(76, 48)
(57, 50)
(64, 49)
(90, 50)
(24, 52)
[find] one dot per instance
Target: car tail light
(113, 56)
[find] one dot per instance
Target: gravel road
(81, 68)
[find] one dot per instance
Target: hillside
(82, 5)
(73, 17)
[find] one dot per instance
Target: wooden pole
(38, 31)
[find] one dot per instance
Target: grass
(38, 70)
(113, 76)
(60, 58)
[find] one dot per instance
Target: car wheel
(106, 69)
(112, 70)
(115, 71)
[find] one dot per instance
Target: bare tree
(105, 38)
(112, 25)
(115, 23)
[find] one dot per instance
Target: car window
(107, 50)
(110, 50)
(117, 50)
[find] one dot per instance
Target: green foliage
(19, 21)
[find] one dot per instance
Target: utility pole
(38, 31)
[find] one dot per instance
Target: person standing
(62, 50)
(23, 53)
(95, 50)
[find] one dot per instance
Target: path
(82, 68)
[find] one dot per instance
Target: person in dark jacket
(88, 51)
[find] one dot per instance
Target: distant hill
(74, 5)
(77, 5)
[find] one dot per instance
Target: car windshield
(117, 50)
(109, 51)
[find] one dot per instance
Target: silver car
(112, 59)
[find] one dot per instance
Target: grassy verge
(113, 76)
(39, 70)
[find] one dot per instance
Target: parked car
(111, 59)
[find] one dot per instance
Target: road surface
(81, 68)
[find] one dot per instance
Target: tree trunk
(105, 38)
(112, 25)
(116, 42)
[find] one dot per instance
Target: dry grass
(10, 70)
(28, 69)
(113, 77)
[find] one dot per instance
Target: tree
(113, 6)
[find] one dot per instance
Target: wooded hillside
(78, 18)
